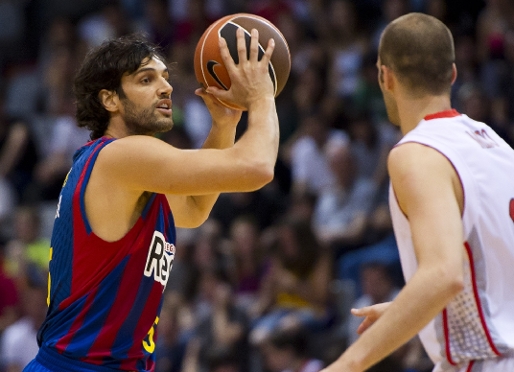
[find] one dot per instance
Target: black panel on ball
(228, 32)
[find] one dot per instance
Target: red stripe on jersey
(64, 341)
(470, 366)
(447, 339)
(136, 348)
(477, 299)
(442, 114)
(124, 298)
(147, 314)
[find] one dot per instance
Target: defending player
(452, 204)
(114, 233)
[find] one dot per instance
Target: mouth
(164, 107)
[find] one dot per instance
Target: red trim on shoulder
(442, 114)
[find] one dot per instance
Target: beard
(144, 121)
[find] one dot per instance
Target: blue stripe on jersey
(96, 315)
(129, 326)
(55, 327)
(55, 362)
(62, 234)
(85, 181)
(147, 206)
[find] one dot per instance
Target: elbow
(455, 286)
(258, 174)
(266, 174)
(453, 283)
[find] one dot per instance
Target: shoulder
(419, 173)
(130, 149)
(415, 158)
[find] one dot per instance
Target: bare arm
(429, 193)
(192, 210)
(144, 163)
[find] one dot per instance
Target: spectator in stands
(247, 263)
(226, 326)
(27, 247)
(346, 46)
(310, 169)
(295, 289)
(18, 157)
(18, 343)
(9, 309)
(287, 351)
(341, 213)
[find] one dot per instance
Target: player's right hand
(250, 80)
(370, 314)
(221, 114)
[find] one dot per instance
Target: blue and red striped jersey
(104, 297)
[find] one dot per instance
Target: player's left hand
(221, 114)
(370, 315)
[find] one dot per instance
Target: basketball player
(452, 204)
(114, 234)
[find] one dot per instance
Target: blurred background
(266, 284)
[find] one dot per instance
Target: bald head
(419, 49)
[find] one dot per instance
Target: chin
(164, 125)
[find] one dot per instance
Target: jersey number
(149, 345)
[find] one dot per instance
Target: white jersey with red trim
(479, 322)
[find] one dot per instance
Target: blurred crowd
(267, 283)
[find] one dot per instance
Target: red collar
(443, 114)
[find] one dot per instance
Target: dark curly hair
(103, 68)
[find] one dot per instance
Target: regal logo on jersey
(160, 258)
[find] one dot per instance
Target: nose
(165, 89)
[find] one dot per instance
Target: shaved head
(419, 49)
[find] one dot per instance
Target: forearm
(261, 139)
(422, 299)
(220, 137)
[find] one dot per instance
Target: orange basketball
(209, 67)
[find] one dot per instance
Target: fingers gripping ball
(209, 67)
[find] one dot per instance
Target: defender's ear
(454, 72)
(387, 78)
(109, 100)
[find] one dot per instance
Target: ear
(388, 78)
(109, 100)
(454, 72)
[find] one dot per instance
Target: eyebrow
(145, 69)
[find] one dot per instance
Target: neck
(116, 128)
(412, 111)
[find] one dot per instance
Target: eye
(146, 80)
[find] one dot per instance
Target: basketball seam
(201, 53)
(260, 46)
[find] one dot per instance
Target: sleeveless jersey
(479, 322)
(104, 297)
